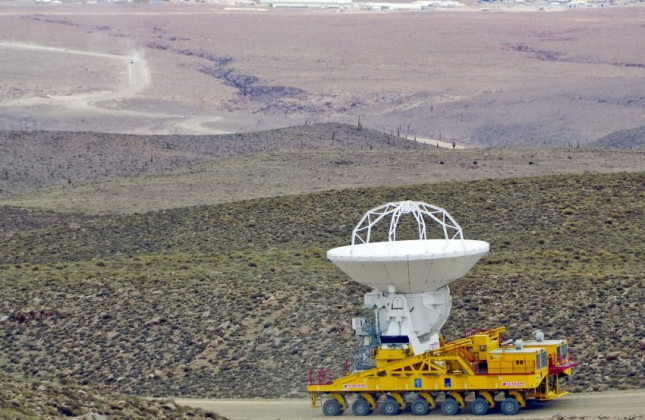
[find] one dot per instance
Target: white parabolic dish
(412, 266)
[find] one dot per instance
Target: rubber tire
(361, 407)
(390, 407)
(449, 407)
(479, 406)
(332, 408)
(420, 407)
(509, 407)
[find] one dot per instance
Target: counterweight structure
(403, 363)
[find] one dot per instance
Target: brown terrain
(490, 79)
(171, 176)
(135, 173)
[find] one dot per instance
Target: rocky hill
(32, 399)
(238, 299)
(94, 173)
(38, 159)
(624, 139)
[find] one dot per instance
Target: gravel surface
(629, 405)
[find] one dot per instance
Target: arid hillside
(94, 173)
(172, 175)
(624, 139)
(520, 78)
(33, 399)
(34, 160)
(239, 299)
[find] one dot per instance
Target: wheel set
(420, 406)
(479, 406)
(361, 407)
(332, 407)
(509, 406)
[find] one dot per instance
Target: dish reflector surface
(410, 266)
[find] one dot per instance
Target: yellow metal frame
(453, 369)
(370, 400)
(489, 398)
(341, 400)
(399, 399)
(518, 397)
(426, 396)
(457, 396)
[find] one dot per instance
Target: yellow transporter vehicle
(480, 365)
(403, 357)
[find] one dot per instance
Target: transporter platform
(482, 367)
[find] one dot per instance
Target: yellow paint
(458, 398)
(489, 398)
(477, 363)
(426, 396)
(368, 397)
(341, 400)
(399, 399)
(518, 397)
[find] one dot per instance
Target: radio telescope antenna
(410, 277)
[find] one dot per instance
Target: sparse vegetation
(189, 301)
(623, 139)
(31, 399)
(143, 173)
(41, 159)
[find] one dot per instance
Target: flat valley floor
(529, 78)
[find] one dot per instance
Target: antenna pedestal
(410, 277)
(413, 318)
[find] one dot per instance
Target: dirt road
(609, 404)
(439, 143)
(138, 71)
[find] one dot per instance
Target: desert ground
(614, 405)
(171, 176)
(483, 79)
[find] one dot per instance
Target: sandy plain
(525, 78)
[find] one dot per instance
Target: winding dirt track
(138, 79)
(608, 404)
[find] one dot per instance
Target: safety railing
(321, 377)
